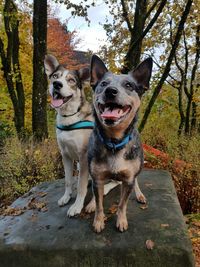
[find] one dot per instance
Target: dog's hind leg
(91, 206)
(81, 189)
(68, 166)
(139, 195)
(109, 186)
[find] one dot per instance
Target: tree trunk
(132, 58)
(168, 64)
(187, 117)
(194, 117)
(39, 99)
(180, 108)
(11, 65)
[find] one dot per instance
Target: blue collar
(113, 146)
(76, 126)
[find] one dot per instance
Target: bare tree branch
(196, 61)
(186, 65)
(152, 8)
(125, 15)
(168, 64)
(149, 26)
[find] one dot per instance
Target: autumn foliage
(60, 43)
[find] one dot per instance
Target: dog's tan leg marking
(139, 195)
(91, 206)
(122, 223)
(81, 189)
(99, 218)
(68, 167)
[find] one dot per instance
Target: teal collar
(115, 146)
(76, 126)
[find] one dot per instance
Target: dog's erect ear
(98, 69)
(142, 73)
(50, 64)
(84, 74)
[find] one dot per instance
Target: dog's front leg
(81, 188)
(98, 189)
(68, 167)
(122, 223)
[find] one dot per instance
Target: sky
(93, 36)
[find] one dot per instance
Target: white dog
(74, 126)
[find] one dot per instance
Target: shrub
(23, 165)
(186, 178)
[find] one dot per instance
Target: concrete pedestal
(44, 236)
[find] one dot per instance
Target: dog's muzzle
(58, 99)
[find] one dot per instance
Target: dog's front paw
(74, 209)
(98, 223)
(91, 206)
(64, 200)
(122, 223)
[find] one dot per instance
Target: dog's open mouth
(113, 111)
(58, 100)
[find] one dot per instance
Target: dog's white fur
(72, 144)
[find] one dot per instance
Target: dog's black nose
(111, 92)
(57, 85)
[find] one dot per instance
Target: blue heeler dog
(115, 151)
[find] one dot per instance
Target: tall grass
(23, 165)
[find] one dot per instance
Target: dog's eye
(128, 85)
(55, 76)
(104, 83)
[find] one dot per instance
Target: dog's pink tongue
(114, 114)
(56, 103)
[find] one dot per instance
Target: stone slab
(47, 238)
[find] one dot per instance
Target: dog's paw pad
(141, 199)
(63, 200)
(74, 210)
(90, 207)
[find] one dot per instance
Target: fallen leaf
(164, 225)
(150, 244)
(10, 211)
(144, 207)
(33, 204)
(113, 209)
(148, 184)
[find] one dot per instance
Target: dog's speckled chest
(116, 166)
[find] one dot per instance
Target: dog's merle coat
(116, 102)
